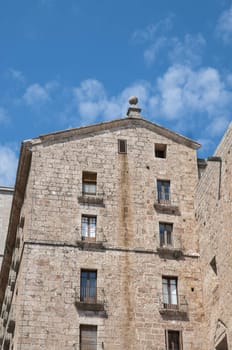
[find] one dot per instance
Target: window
(160, 150)
(163, 189)
(88, 228)
(170, 300)
(88, 290)
(122, 146)
(173, 340)
(88, 337)
(165, 232)
(89, 183)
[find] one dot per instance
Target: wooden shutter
(88, 337)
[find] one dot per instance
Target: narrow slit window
(160, 150)
(122, 146)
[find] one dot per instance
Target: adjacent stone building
(103, 251)
(214, 217)
(6, 194)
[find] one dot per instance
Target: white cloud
(92, 101)
(183, 95)
(151, 53)
(183, 90)
(36, 94)
(8, 166)
(153, 30)
(218, 125)
(159, 39)
(189, 51)
(16, 75)
(224, 26)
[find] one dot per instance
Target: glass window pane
(169, 238)
(173, 292)
(84, 226)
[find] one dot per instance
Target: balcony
(90, 299)
(173, 310)
(166, 206)
(89, 243)
(174, 250)
(91, 199)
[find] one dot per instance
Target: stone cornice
(128, 122)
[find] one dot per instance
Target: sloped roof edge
(116, 123)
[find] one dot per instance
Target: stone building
(102, 250)
(213, 214)
(6, 194)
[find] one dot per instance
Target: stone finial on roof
(133, 110)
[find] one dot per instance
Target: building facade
(103, 242)
(214, 222)
(6, 194)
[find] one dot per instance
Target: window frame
(87, 345)
(89, 218)
(180, 340)
(165, 241)
(120, 143)
(88, 293)
(163, 196)
(169, 296)
(160, 150)
(87, 181)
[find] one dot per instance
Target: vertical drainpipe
(217, 159)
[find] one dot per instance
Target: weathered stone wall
(131, 284)
(124, 181)
(129, 267)
(6, 194)
(213, 212)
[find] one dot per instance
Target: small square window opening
(160, 150)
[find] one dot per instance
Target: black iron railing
(174, 303)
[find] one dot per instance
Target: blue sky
(67, 63)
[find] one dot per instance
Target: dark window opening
(122, 146)
(165, 232)
(160, 150)
(88, 292)
(88, 337)
(89, 183)
(173, 340)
